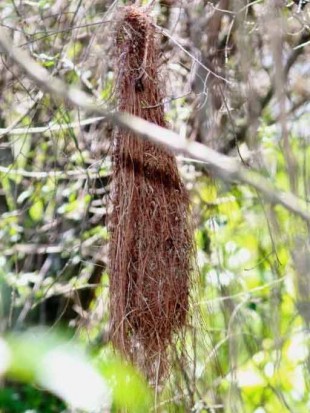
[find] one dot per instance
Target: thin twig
(82, 174)
(11, 130)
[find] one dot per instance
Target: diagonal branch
(220, 165)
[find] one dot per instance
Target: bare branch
(82, 174)
(220, 165)
(11, 130)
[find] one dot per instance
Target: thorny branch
(220, 165)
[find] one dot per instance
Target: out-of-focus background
(247, 342)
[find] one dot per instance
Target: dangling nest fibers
(151, 239)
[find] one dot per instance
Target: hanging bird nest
(151, 239)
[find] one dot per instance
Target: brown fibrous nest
(151, 239)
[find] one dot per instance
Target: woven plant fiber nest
(151, 238)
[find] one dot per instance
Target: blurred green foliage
(38, 362)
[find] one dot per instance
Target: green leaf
(129, 389)
(36, 210)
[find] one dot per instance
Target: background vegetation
(247, 343)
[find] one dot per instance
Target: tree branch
(220, 165)
(12, 130)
